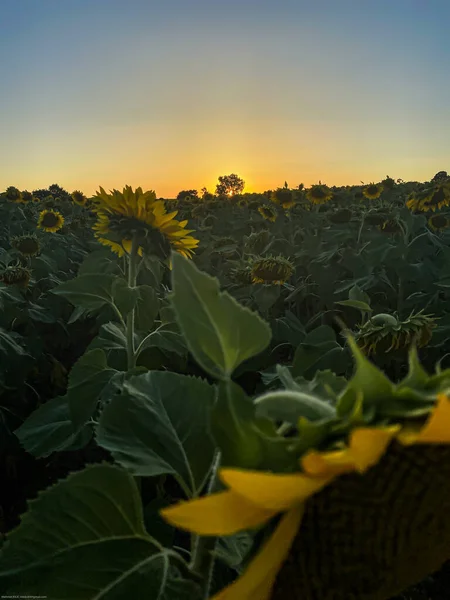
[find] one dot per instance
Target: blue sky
(171, 94)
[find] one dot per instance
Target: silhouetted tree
(230, 185)
(187, 194)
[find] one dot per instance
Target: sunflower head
(284, 197)
(385, 333)
(268, 212)
(438, 222)
(241, 275)
(257, 241)
(79, 198)
(123, 216)
(430, 199)
(341, 216)
(319, 194)
(272, 270)
(27, 245)
(50, 220)
(440, 176)
(16, 275)
(13, 194)
(27, 196)
(388, 183)
(372, 191)
(390, 226)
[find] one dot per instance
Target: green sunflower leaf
(221, 334)
(85, 538)
(159, 425)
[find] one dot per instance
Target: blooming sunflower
(319, 194)
(122, 215)
(27, 245)
(13, 194)
(274, 270)
(50, 220)
(367, 515)
(268, 213)
(388, 183)
(430, 199)
(27, 196)
(439, 222)
(79, 198)
(372, 191)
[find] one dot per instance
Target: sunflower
(16, 275)
(368, 513)
(268, 213)
(283, 197)
(430, 199)
(257, 241)
(372, 191)
(79, 198)
(27, 196)
(319, 194)
(390, 226)
(27, 245)
(13, 194)
(274, 270)
(439, 222)
(388, 183)
(50, 220)
(241, 275)
(384, 333)
(122, 215)
(376, 218)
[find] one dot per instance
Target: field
(186, 383)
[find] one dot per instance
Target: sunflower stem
(203, 558)
(131, 354)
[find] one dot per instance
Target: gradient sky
(170, 94)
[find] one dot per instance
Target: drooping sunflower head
(79, 198)
(390, 226)
(385, 333)
(122, 216)
(13, 194)
(241, 275)
(284, 197)
(257, 241)
(341, 216)
(272, 270)
(268, 213)
(27, 196)
(388, 183)
(16, 275)
(376, 218)
(27, 245)
(319, 194)
(50, 220)
(439, 222)
(372, 191)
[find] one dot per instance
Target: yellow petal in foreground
(366, 447)
(272, 491)
(435, 431)
(224, 513)
(258, 579)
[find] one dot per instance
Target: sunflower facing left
(122, 216)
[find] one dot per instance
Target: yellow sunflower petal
(258, 579)
(224, 513)
(366, 447)
(435, 431)
(271, 491)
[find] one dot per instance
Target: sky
(171, 94)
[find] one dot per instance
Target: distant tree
(230, 185)
(187, 194)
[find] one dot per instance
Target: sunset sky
(170, 94)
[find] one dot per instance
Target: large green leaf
(87, 379)
(84, 539)
(147, 308)
(50, 429)
(93, 291)
(221, 334)
(160, 425)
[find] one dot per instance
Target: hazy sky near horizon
(170, 94)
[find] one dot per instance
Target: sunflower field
(229, 397)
